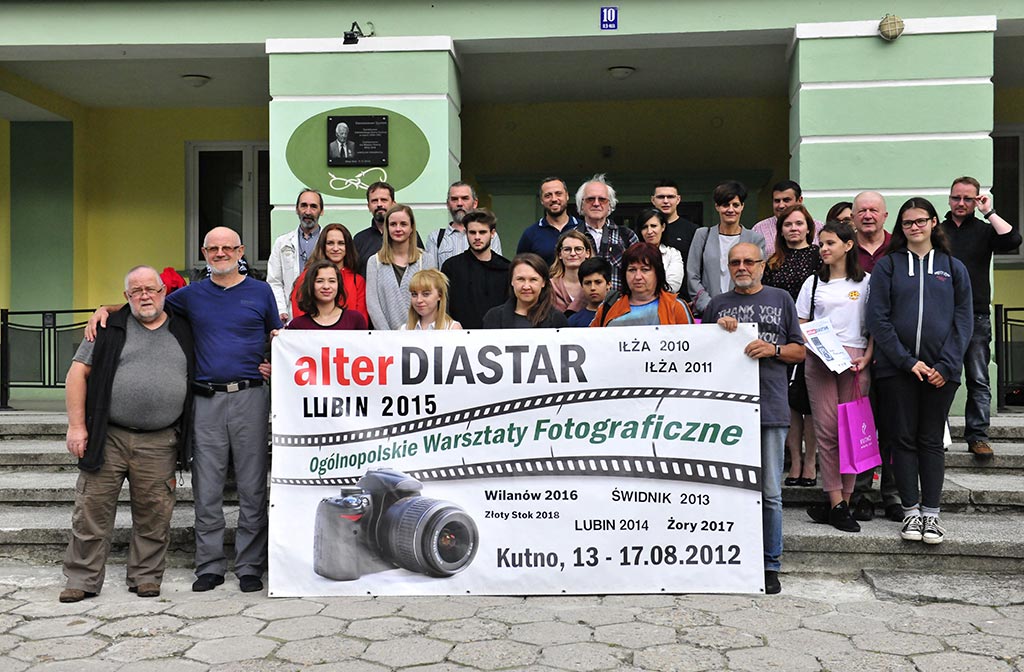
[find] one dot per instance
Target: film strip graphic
(744, 477)
(504, 408)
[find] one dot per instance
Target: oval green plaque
(408, 151)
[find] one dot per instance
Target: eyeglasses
(966, 199)
(736, 263)
(846, 220)
(226, 249)
(911, 223)
(136, 292)
(595, 199)
(574, 250)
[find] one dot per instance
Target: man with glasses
(595, 199)
(445, 243)
(541, 238)
(129, 409)
(478, 276)
(973, 242)
(290, 251)
(778, 344)
(231, 315)
(784, 194)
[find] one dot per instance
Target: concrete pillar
(412, 81)
(904, 118)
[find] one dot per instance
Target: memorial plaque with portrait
(357, 140)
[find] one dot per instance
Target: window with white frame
(228, 184)
(1008, 182)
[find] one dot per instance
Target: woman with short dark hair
(646, 299)
(707, 267)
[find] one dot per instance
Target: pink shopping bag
(858, 440)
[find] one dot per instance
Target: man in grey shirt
(129, 415)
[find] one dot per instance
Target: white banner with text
(620, 460)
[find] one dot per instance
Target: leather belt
(234, 386)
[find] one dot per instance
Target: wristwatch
(778, 351)
(988, 214)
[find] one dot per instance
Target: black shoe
(863, 510)
(792, 482)
(839, 517)
(807, 482)
(206, 582)
(818, 512)
(894, 512)
(250, 584)
(771, 582)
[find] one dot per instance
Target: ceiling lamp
(196, 81)
(621, 71)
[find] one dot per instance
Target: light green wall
(420, 86)
(376, 73)
(42, 215)
(852, 163)
(936, 109)
(858, 59)
(230, 21)
(892, 164)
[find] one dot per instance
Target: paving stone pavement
(877, 621)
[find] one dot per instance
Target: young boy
(595, 277)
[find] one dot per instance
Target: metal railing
(1009, 352)
(36, 347)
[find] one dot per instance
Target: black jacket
(504, 317)
(105, 356)
(475, 287)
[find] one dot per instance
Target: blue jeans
(979, 392)
(773, 452)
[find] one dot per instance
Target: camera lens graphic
(429, 536)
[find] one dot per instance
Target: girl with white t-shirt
(428, 302)
(838, 291)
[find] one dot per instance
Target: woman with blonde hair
(428, 305)
(389, 272)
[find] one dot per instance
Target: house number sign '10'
(609, 18)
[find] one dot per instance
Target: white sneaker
(912, 528)
(933, 532)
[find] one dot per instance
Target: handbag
(858, 439)
(799, 399)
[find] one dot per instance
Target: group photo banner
(508, 462)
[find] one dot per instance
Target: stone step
(1007, 426)
(963, 490)
(1008, 455)
(47, 487)
(983, 542)
(40, 533)
(35, 454)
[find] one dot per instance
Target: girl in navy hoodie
(920, 314)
